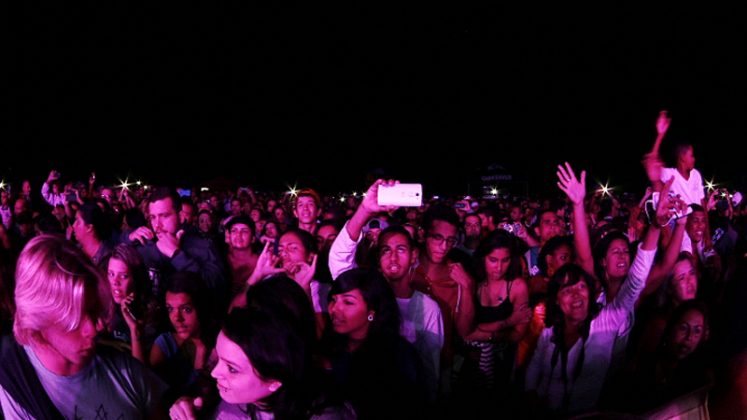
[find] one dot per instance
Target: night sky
(281, 96)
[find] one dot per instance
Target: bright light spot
(204, 189)
(710, 185)
(342, 199)
(604, 189)
(125, 185)
(2, 184)
(494, 191)
(138, 183)
(292, 191)
(355, 194)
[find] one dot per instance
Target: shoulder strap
(18, 378)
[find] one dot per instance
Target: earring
(274, 386)
(370, 318)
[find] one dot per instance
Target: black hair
(568, 275)
(552, 245)
(498, 239)
(600, 252)
(307, 240)
(278, 351)
(194, 286)
(442, 213)
(162, 193)
(92, 214)
(379, 298)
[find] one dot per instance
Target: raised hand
(302, 272)
(53, 175)
(266, 265)
(665, 209)
(370, 201)
(572, 187)
(662, 125)
(168, 243)
(653, 165)
(142, 234)
(133, 323)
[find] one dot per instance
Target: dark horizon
(281, 97)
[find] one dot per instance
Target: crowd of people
(144, 303)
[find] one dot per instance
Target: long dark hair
(568, 275)
(134, 262)
(277, 350)
(600, 252)
(193, 285)
(379, 297)
(284, 298)
(676, 317)
(92, 214)
(498, 239)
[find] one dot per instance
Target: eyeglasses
(439, 239)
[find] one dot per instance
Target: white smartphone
(401, 195)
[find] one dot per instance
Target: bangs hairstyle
(566, 276)
(131, 258)
(378, 296)
(56, 284)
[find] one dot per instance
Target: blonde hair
(56, 284)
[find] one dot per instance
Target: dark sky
(283, 95)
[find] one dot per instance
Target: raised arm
(652, 160)
(662, 125)
(575, 189)
(53, 176)
(342, 252)
(368, 208)
(662, 270)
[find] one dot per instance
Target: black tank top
(485, 314)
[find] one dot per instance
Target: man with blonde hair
(51, 368)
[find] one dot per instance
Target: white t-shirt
(690, 190)
(423, 326)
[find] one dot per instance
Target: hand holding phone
(400, 195)
(653, 203)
